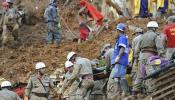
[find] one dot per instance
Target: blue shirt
(122, 41)
(50, 14)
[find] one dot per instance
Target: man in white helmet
(73, 88)
(10, 23)
(39, 84)
(6, 94)
(82, 73)
(147, 47)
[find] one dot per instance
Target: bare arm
(122, 49)
(28, 88)
(73, 77)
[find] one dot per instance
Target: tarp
(160, 3)
(92, 11)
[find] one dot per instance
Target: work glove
(117, 59)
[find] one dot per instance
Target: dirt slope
(17, 61)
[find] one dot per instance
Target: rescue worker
(138, 33)
(51, 18)
(148, 46)
(141, 8)
(159, 7)
(163, 6)
(10, 23)
(39, 84)
(5, 6)
(84, 32)
(119, 59)
(83, 74)
(107, 53)
(170, 37)
(6, 94)
(72, 90)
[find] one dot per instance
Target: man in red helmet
(169, 32)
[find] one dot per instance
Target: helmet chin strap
(154, 29)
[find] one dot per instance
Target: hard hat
(138, 30)
(103, 49)
(9, 1)
(40, 65)
(68, 64)
(70, 55)
(171, 19)
(152, 24)
(120, 27)
(6, 84)
(106, 46)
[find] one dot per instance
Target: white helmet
(40, 65)
(171, 19)
(9, 1)
(68, 64)
(6, 84)
(152, 24)
(138, 30)
(70, 54)
(108, 45)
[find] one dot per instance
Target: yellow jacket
(130, 55)
(159, 3)
(136, 7)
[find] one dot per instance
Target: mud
(17, 61)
